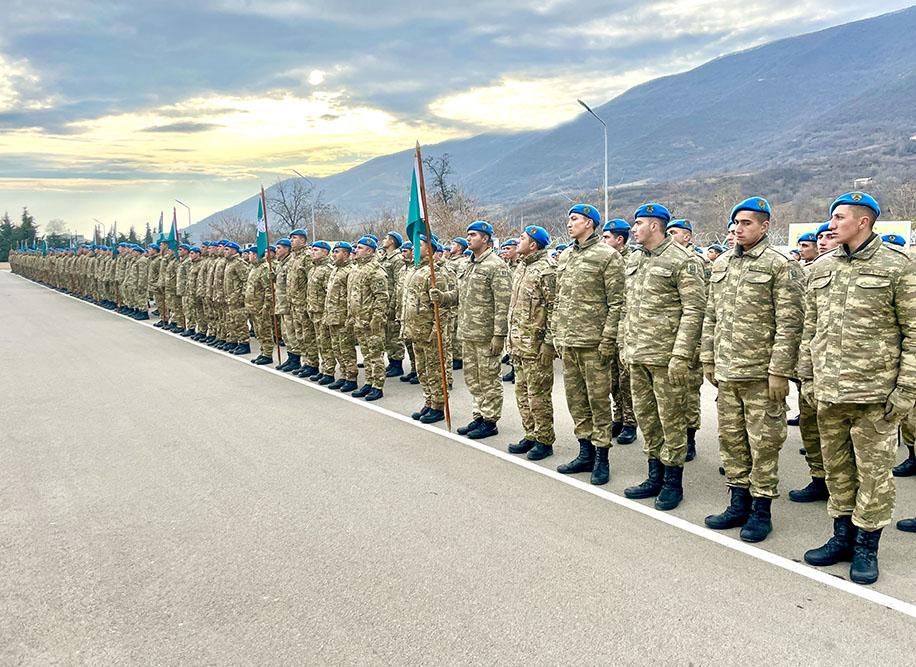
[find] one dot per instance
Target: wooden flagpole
(432, 281)
(270, 275)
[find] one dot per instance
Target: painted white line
(721, 539)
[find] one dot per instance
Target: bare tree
(291, 203)
(902, 201)
(232, 227)
(440, 168)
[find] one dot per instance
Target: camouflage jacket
(282, 301)
(335, 302)
(257, 290)
(141, 271)
(317, 288)
(754, 314)
(234, 278)
(482, 298)
(164, 270)
(665, 301)
(155, 264)
(297, 278)
(404, 274)
(203, 277)
(534, 285)
(391, 265)
(217, 292)
(859, 340)
(589, 295)
(193, 269)
(418, 318)
(367, 294)
(181, 276)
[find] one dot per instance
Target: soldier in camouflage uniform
(530, 343)
(390, 261)
(168, 258)
(404, 273)
(217, 296)
(157, 287)
(284, 250)
(155, 264)
(858, 362)
(419, 326)
(456, 261)
(586, 317)
(189, 297)
(235, 278)
(201, 292)
(181, 286)
(259, 305)
(302, 343)
(482, 300)
(367, 309)
(141, 294)
(751, 335)
(316, 292)
(335, 315)
(616, 233)
(661, 328)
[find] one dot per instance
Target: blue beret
(825, 227)
(757, 204)
(185, 246)
(586, 210)
(481, 226)
(562, 247)
(321, 244)
(698, 250)
(857, 199)
(122, 244)
(398, 239)
(221, 243)
(373, 237)
(299, 232)
(233, 245)
(438, 246)
(194, 248)
(368, 240)
(467, 253)
(807, 237)
(680, 224)
(894, 239)
(652, 210)
(509, 243)
(344, 245)
(539, 235)
(272, 248)
(285, 243)
(422, 237)
(407, 245)
(617, 225)
(718, 247)
(460, 240)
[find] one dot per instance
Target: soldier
(335, 316)
(616, 233)
(661, 327)
(168, 258)
(530, 343)
(457, 260)
(714, 251)
(858, 362)
(730, 236)
(826, 240)
(284, 250)
(483, 305)
(807, 247)
(586, 317)
(235, 277)
(302, 344)
(419, 327)
(181, 288)
(172, 297)
(407, 268)
(316, 292)
(189, 300)
(367, 308)
(751, 334)
(259, 306)
(141, 293)
(204, 308)
(390, 261)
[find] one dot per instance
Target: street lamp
(189, 210)
(311, 202)
(588, 108)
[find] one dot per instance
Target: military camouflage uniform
(235, 277)
(418, 326)
(335, 318)
(391, 264)
(259, 307)
(367, 308)
(620, 378)
(316, 292)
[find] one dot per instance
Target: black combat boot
(309, 372)
(294, 365)
(627, 435)
(142, 315)
(616, 428)
(407, 377)
(691, 444)
(907, 525)
(907, 467)
(601, 471)
(187, 333)
(510, 376)
(262, 360)
(457, 364)
(242, 348)
(736, 514)
(464, 430)
(374, 394)
(864, 568)
(415, 379)
(419, 413)
(759, 525)
(838, 548)
(672, 492)
(362, 391)
(484, 429)
(336, 384)
(652, 485)
(326, 380)
(395, 368)
(816, 490)
(285, 364)
(539, 451)
(584, 462)
(348, 386)
(523, 446)
(431, 416)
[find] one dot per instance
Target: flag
(416, 216)
(172, 239)
(159, 238)
(262, 228)
(44, 247)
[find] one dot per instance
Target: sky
(111, 110)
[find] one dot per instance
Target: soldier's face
(457, 249)
(527, 246)
(319, 253)
(252, 258)
(730, 236)
(364, 250)
(750, 228)
(807, 250)
(646, 229)
(847, 223)
(477, 242)
(579, 227)
(712, 255)
(826, 242)
(407, 255)
(282, 251)
(297, 241)
(680, 236)
(341, 256)
(182, 253)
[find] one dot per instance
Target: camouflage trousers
(660, 412)
(453, 334)
(304, 331)
(692, 407)
(263, 330)
(394, 348)
(203, 314)
(344, 348)
(190, 311)
(237, 324)
(620, 392)
(159, 298)
(219, 319)
(176, 311)
(323, 341)
(860, 449)
(429, 373)
(908, 428)
(372, 346)
(533, 395)
(293, 333)
(449, 343)
(752, 431)
(811, 437)
(587, 378)
(410, 353)
(481, 375)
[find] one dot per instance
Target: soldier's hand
(709, 372)
(435, 295)
(898, 406)
(496, 345)
(606, 350)
(778, 388)
(547, 354)
(678, 371)
(807, 393)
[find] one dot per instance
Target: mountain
(836, 98)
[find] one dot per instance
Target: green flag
(262, 230)
(416, 216)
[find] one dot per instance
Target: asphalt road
(162, 503)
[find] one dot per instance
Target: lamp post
(189, 210)
(311, 202)
(604, 125)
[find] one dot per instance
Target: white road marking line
(721, 539)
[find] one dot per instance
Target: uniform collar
(486, 253)
(754, 251)
(535, 256)
(660, 248)
(864, 251)
(590, 241)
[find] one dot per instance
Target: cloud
(186, 127)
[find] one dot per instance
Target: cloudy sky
(112, 109)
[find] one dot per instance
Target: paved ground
(161, 503)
